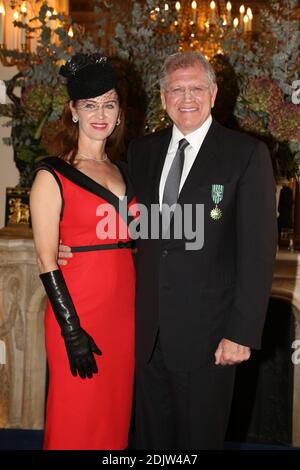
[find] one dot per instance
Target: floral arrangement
(142, 41)
(255, 79)
(266, 72)
(35, 120)
(262, 111)
(34, 111)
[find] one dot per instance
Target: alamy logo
(296, 92)
(296, 353)
(186, 222)
(2, 352)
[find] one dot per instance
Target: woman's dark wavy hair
(65, 143)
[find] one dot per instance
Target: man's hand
(64, 252)
(230, 353)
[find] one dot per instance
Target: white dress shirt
(195, 140)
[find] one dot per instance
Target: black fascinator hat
(88, 75)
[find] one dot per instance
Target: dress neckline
(103, 188)
(57, 164)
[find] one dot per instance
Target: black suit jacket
(195, 298)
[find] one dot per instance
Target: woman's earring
(75, 119)
(118, 122)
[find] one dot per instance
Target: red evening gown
(92, 413)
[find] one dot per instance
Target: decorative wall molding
(286, 286)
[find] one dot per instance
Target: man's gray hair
(181, 60)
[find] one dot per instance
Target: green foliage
(274, 55)
(43, 95)
(143, 43)
(266, 70)
(255, 78)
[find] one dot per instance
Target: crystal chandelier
(201, 24)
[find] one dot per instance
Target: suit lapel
(206, 157)
(159, 152)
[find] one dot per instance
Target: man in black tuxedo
(198, 312)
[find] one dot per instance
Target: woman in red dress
(89, 320)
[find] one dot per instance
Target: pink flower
(263, 95)
(36, 100)
(253, 123)
(49, 131)
(284, 124)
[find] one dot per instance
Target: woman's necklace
(84, 157)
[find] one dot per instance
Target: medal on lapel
(217, 193)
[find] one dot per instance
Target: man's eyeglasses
(92, 106)
(180, 91)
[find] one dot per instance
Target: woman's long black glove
(79, 345)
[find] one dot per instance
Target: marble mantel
(22, 302)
